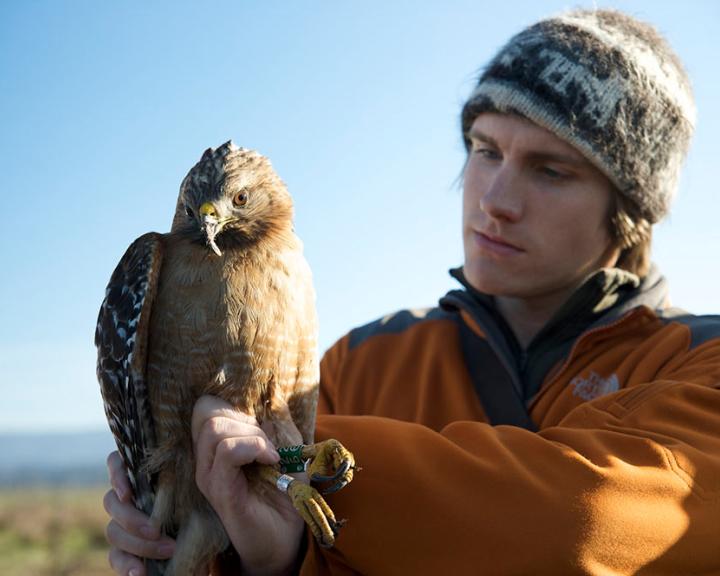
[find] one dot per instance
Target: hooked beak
(210, 226)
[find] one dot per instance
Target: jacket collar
(602, 298)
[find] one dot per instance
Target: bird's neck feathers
(235, 245)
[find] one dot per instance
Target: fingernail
(166, 549)
(120, 493)
(134, 572)
(276, 455)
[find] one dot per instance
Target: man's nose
(503, 197)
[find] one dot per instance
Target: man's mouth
(496, 244)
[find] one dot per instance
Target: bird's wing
(121, 338)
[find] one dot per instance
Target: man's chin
(487, 279)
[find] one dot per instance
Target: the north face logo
(594, 386)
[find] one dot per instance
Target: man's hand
(267, 532)
(130, 533)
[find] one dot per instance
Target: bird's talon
(316, 513)
(344, 467)
(335, 487)
(332, 456)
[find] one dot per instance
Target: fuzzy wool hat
(609, 85)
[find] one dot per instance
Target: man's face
(535, 211)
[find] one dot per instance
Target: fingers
(118, 477)
(225, 440)
(127, 544)
(129, 518)
(239, 441)
(224, 445)
(125, 564)
(216, 426)
(208, 407)
(130, 533)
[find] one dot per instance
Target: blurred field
(53, 531)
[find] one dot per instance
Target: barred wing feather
(121, 338)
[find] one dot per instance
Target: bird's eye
(189, 211)
(240, 199)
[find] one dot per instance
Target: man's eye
(485, 152)
(552, 173)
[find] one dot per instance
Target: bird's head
(232, 198)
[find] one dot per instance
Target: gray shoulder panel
(395, 323)
(702, 328)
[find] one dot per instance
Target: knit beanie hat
(609, 85)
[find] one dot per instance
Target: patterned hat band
(608, 85)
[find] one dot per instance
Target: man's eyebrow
(559, 157)
(578, 160)
(477, 135)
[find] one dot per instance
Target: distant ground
(53, 532)
(57, 459)
(52, 522)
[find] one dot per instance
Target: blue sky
(106, 105)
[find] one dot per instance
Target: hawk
(223, 304)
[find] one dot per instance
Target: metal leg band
(284, 482)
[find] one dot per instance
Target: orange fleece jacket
(622, 476)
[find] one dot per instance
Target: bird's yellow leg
(330, 462)
(309, 504)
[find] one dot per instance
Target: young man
(552, 417)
